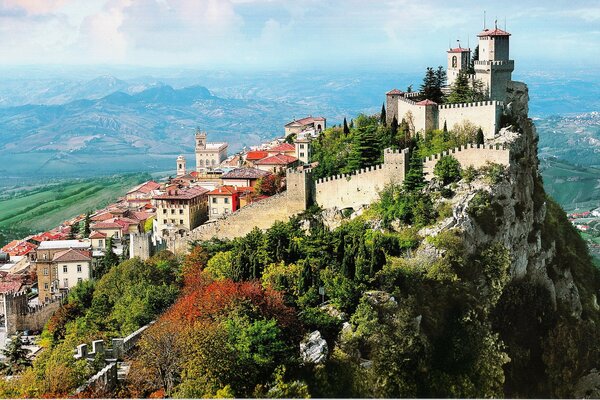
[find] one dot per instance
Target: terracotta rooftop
(225, 190)
(245, 173)
(97, 235)
(106, 225)
(278, 159)
(282, 148)
(459, 50)
(395, 91)
(71, 255)
(182, 194)
(495, 32)
(427, 102)
(145, 187)
(102, 217)
(256, 155)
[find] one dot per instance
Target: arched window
(454, 62)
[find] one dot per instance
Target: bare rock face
(588, 387)
(314, 349)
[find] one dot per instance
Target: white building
(73, 266)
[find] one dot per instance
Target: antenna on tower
(496, 23)
(505, 23)
(484, 20)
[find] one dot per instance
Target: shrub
(447, 169)
(493, 173)
(469, 174)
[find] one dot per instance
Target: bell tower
(181, 168)
(458, 60)
(200, 140)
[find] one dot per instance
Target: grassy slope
(572, 187)
(46, 208)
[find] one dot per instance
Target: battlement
(469, 155)
(510, 63)
(407, 100)
(350, 174)
(412, 94)
(474, 104)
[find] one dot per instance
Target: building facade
(181, 209)
(208, 155)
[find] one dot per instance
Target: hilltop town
(319, 251)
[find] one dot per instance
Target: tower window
(454, 62)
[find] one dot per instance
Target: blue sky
(279, 35)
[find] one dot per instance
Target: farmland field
(41, 208)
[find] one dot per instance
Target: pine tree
(15, 357)
(86, 225)
(382, 118)
(414, 177)
(365, 149)
(74, 231)
(440, 77)
(461, 91)
(480, 139)
(346, 129)
(429, 84)
(474, 57)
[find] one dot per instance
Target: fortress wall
(261, 214)
(473, 155)
(419, 113)
(360, 187)
(485, 114)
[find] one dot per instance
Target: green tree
(414, 179)
(74, 231)
(86, 225)
(109, 260)
(447, 170)
(474, 57)
(346, 129)
(15, 356)
(365, 149)
(440, 80)
(394, 130)
(480, 138)
(382, 117)
(460, 91)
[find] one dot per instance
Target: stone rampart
(362, 187)
(484, 114)
(470, 155)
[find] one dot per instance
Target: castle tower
(208, 155)
(494, 68)
(200, 148)
(181, 170)
(458, 60)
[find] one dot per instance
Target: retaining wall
(484, 114)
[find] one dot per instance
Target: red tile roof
(245, 173)
(278, 159)
(106, 225)
(395, 91)
(145, 187)
(71, 255)
(282, 148)
(19, 248)
(225, 190)
(11, 283)
(427, 102)
(142, 215)
(97, 235)
(102, 217)
(495, 32)
(459, 50)
(256, 155)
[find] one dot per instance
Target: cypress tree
(394, 129)
(346, 129)
(414, 178)
(445, 135)
(86, 225)
(480, 139)
(109, 260)
(382, 118)
(474, 57)
(351, 123)
(365, 149)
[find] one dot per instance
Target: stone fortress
(493, 69)
(361, 188)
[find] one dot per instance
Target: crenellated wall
(469, 155)
(362, 187)
(484, 114)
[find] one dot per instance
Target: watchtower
(494, 68)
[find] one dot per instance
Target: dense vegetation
(128, 296)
